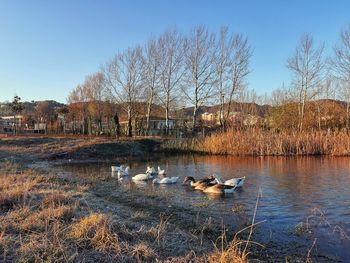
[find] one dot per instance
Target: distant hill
(249, 108)
(29, 107)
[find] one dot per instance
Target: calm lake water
(291, 189)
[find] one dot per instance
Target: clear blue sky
(48, 47)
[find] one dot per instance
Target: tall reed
(257, 142)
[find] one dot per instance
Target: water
(292, 190)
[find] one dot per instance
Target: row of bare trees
(89, 104)
(203, 67)
(315, 79)
(172, 70)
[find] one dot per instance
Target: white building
(206, 116)
(7, 123)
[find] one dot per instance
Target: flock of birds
(209, 184)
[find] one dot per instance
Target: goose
(120, 175)
(195, 183)
(150, 170)
(161, 172)
(165, 180)
(220, 189)
(204, 185)
(238, 182)
(126, 171)
(116, 168)
(142, 177)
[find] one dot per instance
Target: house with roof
(7, 123)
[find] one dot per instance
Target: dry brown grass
(39, 220)
(4, 242)
(142, 253)
(95, 231)
(257, 142)
(158, 231)
(14, 188)
(140, 215)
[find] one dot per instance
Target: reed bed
(257, 142)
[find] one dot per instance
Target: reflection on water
(290, 186)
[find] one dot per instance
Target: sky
(48, 47)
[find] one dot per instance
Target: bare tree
(307, 67)
(279, 96)
(320, 103)
(200, 75)
(43, 112)
(95, 91)
(171, 49)
(151, 76)
(124, 77)
(74, 108)
(222, 65)
(63, 111)
(341, 66)
(344, 94)
(239, 59)
(77, 100)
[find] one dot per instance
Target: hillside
(29, 107)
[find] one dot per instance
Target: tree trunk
(149, 108)
(89, 126)
(302, 110)
(194, 116)
(129, 123)
(167, 120)
(233, 89)
(64, 124)
(195, 108)
(117, 125)
(301, 117)
(99, 122)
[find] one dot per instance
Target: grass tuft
(95, 231)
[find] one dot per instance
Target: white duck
(126, 171)
(237, 182)
(116, 168)
(120, 175)
(166, 180)
(142, 177)
(161, 172)
(150, 170)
